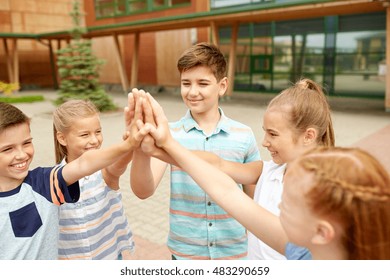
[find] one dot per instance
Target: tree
(78, 68)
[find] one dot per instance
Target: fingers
(130, 98)
(138, 109)
(158, 112)
(148, 112)
(128, 115)
(129, 110)
(145, 116)
(141, 133)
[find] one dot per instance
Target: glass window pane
(137, 5)
(359, 59)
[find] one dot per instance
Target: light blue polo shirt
(199, 228)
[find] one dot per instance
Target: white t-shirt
(268, 194)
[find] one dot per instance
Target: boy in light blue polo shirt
(199, 228)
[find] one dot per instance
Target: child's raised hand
(132, 99)
(160, 132)
(129, 110)
(136, 130)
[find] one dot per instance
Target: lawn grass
(21, 99)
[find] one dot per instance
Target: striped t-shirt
(199, 228)
(96, 227)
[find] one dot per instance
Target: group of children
(311, 201)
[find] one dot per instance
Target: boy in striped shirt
(199, 228)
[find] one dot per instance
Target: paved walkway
(358, 122)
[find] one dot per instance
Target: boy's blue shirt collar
(223, 124)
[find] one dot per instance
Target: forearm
(241, 173)
(249, 190)
(93, 160)
(141, 176)
(112, 173)
(216, 183)
(164, 156)
(120, 166)
(226, 194)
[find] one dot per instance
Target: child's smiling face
(16, 154)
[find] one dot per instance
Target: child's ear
(325, 233)
(310, 136)
(61, 138)
(223, 85)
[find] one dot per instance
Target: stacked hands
(146, 124)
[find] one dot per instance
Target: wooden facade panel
(5, 28)
(5, 5)
(5, 19)
(24, 5)
(33, 16)
(33, 69)
(169, 47)
(103, 48)
(17, 19)
(147, 59)
(48, 22)
(55, 7)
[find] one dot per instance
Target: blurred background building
(341, 44)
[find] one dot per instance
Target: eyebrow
(12, 144)
(269, 130)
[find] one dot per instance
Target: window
(112, 8)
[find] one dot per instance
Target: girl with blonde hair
(96, 227)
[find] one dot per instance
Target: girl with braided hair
(336, 202)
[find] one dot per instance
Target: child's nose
(193, 90)
(93, 139)
(265, 142)
(20, 153)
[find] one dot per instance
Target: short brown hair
(11, 116)
(203, 54)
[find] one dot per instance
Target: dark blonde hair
(203, 54)
(306, 106)
(353, 189)
(63, 117)
(11, 116)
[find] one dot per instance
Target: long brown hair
(353, 189)
(63, 117)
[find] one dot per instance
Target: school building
(342, 44)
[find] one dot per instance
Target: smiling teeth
(20, 165)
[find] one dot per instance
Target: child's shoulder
(237, 124)
(40, 173)
(270, 168)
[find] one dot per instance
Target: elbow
(142, 194)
